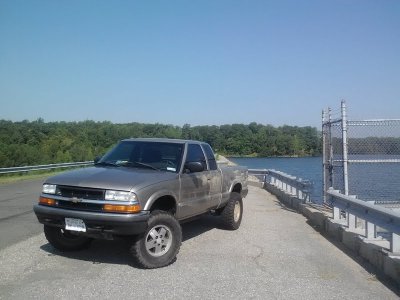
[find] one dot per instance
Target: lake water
(367, 181)
(309, 168)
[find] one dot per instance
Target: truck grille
(80, 193)
(79, 206)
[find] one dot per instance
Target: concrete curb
(373, 251)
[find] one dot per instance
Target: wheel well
(237, 188)
(165, 203)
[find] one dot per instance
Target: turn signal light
(47, 201)
(121, 208)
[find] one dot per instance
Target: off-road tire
(159, 245)
(231, 214)
(64, 240)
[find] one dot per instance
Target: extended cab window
(210, 157)
(195, 153)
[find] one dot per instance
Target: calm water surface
(367, 181)
(309, 168)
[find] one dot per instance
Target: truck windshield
(142, 154)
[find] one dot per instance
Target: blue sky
(199, 62)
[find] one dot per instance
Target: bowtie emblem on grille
(76, 200)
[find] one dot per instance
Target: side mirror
(96, 159)
(194, 166)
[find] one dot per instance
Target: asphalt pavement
(17, 220)
(275, 254)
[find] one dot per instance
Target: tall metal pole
(330, 155)
(345, 148)
(324, 158)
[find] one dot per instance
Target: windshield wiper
(139, 164)
(106, 163)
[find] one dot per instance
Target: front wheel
(160, 243)
(64, 240)
(231, 214)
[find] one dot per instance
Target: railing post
(351, 221)
(336, 213)
(370, 230)
(395, 243)
(290, 185)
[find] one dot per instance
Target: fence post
(330, 154)
(345, 150)
(324, 160)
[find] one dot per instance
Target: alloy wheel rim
(158, 240)
(236, 212)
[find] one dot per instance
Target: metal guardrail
(289, 184)
(344, 207)
(43, 167)
(260, 174)
(373, 215)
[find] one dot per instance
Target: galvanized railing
(354, 214)
(371, 215)
(260, 174)
(289, 184)
(44, 167)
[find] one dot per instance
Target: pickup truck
(142, 190)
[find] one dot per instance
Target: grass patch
(11, 178)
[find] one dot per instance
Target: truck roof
(163, 140)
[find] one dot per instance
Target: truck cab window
(194, 154)
(210, 157)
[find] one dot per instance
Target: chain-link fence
(362, 158)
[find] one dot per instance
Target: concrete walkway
(274, 255)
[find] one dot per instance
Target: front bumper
(97, 224)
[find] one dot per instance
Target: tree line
(38, 142)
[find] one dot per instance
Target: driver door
(195, 187)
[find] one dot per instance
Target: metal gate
(361, 157)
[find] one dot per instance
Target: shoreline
(252, 180)
(223, 160)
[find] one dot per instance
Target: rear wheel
(160, 243)
(64, 240)
(231, 214)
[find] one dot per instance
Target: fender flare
(157, 195)
(235, 182)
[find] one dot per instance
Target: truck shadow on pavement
(117, 251)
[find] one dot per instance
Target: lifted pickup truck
(143, 189)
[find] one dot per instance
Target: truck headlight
(49, 188)
(119, 196)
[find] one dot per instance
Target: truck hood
(113, 178)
